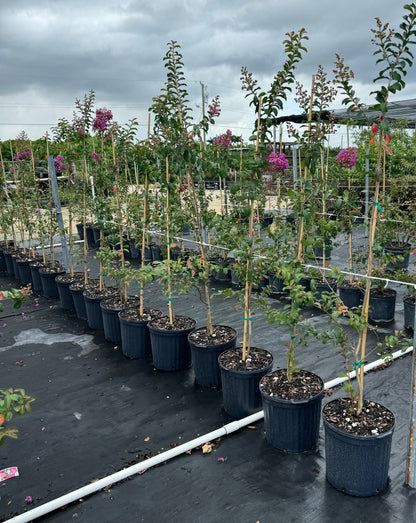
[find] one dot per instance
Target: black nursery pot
(90, 236)
(24, 271)
(16, 268)
(292, 425)
(135, 336)
(36, 281)
(240, 388)
(63, 283)
(382, 305)
(110, 315)
(156, 252)
(403, 252)
(80, 230)
(79, 302)
(351, 296)
(409, 312)
(322, 287)
(357, 465)
(93, 312)
(170, 348)
(3, 266)
(9, 263)
(49, 287)
(205, 360)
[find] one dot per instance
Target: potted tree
(358, 433)
(242, 369)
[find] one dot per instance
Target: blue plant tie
(358, 364)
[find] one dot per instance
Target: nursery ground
(97, 412)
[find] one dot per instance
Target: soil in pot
(240, 380)
(357, 448)
(170, 346)
(205, 351)
(135, 336)
(382, 305)
(109, 310)
(292, 409)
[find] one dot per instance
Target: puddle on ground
(37, 336)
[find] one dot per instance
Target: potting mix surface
(97, 412)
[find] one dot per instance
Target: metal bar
(57, 201)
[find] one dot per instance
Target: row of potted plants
(175, 157)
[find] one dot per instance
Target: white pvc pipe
(82, 492)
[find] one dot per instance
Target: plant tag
(10, 472)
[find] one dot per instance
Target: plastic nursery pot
(79, 302)
(23, 268)
(240, 385)
(80, 230)
(111, 323)
(90, 236)
(351, 296)
(135, 335)
(395, 251)
(9, 263)
(156, 252)
(409, 312)
(34, 272)
(319, 252)
(382, 305)
(322, 287)
(292, 425)
(93, 307)
(3, 266)
(47, 278)
(356, 465)
(63, 282)
(205, 356)
(15, 268)
(276, 284)
(170, 348)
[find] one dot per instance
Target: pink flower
(278, 162)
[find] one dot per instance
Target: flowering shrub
(23, 155)
(278, 162)
(96, 156)
(347, 157)
(59, 163)
(224, 140)
(102, 118)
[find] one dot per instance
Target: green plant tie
(301, 215)
(168, 243)
(170, 299)
(358, 364)
(294, 338)
(303, 181)
(141, 288)
(245, 319)
(379, 207)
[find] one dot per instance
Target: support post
(411, 456)
(57, 201)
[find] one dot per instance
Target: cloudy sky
(54, 51)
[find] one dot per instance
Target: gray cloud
(54, 51)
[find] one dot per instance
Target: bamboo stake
(171, 313)
(144, 228)
(120, 225)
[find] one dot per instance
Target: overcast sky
(55, 51)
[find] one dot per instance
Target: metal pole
(295, 164)
(411, 456)
(57, 201)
